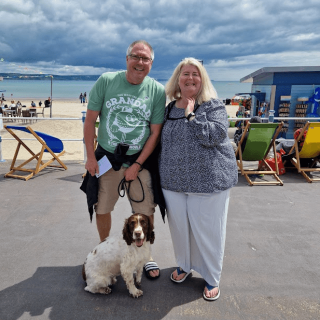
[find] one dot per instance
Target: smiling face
(189, 81)
(138, 70)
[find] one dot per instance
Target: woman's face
(189, 81)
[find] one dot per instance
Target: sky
(233, 38)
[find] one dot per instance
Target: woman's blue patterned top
(197, 156)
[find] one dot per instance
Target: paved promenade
(271, 265)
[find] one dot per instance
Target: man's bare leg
(153, 273)
(103, 225)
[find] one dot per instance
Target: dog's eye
(143, 222)
(132, 223)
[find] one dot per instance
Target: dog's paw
(105, 290)
(138, 293)
(138, 284)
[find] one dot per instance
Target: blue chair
(48, 143)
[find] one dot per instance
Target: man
(131, 108)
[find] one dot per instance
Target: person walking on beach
(197, 170)
(85, 98)
(131, 108)
(80, 97)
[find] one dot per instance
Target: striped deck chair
(48, 143)
(260, 139)
(309, 150)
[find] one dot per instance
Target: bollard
(1, 127)
(84, 113)
(1, 158)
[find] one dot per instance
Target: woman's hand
(189, 103)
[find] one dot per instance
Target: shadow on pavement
(51, 289)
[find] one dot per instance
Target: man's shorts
(108, 192)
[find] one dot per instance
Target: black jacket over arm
(90, 184)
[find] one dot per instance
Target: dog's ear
(127, 237)
(151, 237)
(150, 234)
(84, 276)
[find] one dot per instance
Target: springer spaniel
(113, 257)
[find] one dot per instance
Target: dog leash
(126, 188)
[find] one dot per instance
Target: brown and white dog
(113, 257)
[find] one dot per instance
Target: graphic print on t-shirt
(128, 120)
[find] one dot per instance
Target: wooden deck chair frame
(260, 170)
(309, 150)
(46, 146)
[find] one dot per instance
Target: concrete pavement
(271, 265)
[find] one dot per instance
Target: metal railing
(40, 119)
(84, 117)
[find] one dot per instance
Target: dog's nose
(138, 234)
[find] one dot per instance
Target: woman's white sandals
(209, 289)
(180, 271)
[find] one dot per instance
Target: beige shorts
(108, 192)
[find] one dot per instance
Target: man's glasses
(137, 58)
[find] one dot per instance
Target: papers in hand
(104, 166)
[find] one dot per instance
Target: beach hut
(289, 91)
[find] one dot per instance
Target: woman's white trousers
(197, 224)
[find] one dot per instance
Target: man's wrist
(138, 165)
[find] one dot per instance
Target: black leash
(124, 187)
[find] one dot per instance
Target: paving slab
(271, 264)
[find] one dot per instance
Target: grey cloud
(81, 33)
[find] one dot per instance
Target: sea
(71, 89)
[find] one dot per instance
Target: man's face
(137, 70)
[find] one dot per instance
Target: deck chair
(48, 143)
(309, 150)
(260, 139)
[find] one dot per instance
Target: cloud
(244, 65)
(232, 37)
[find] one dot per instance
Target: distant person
(12, 105)
(40, 103)
(238, 134)
(80, 97)
(33, 105)
(3, 106)
(2, 97)
(85, 98)
(47, 103)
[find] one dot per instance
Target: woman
(197, 170)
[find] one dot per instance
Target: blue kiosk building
(289, 91)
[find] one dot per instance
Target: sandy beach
(63, 129)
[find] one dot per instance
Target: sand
(63, 129)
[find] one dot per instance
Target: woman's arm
(210, 125)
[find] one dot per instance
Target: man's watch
(191, 116)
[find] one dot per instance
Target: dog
(113, 257)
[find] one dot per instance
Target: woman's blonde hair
(206, 92)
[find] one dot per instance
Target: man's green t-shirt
(126, 110)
